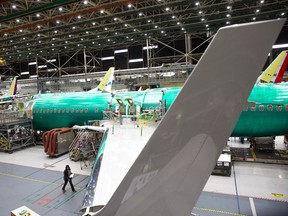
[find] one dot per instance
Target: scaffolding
(85, 146)
(16, 131)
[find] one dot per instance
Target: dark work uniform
(67, 173)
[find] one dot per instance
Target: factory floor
(30, 178)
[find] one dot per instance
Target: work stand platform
(249, 154)
(15, 132)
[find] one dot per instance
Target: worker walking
(68, 175)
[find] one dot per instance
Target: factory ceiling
(45, 27)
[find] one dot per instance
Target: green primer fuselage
(268, 118)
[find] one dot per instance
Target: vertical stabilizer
(275, 71)
(13, 88)
(171, 171)
(106, 82)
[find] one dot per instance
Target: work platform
(242, 152)
(248, 154)
(16, 131)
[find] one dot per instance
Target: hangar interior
(68, 45)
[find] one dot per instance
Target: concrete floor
(28, 177)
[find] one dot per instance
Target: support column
(188, 48)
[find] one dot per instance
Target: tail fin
(170, 173)
(13, 88)
(106, 83)
(275, 71)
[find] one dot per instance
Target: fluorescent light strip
(25, 73)
(150, 47)
(32, 63)
(33, 76)
(120, 51)
(42, 66)
(277, 46)
(52, 60)
(136, 60)
(107, 58)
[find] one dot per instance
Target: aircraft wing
(171, 171)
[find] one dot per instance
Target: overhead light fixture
(42, 66)
(136, 60)
(107, 58)
(278, 46)
(51, 60)
(120, 51)
(150, 47)
(25, 73)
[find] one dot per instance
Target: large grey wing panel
(171, 171)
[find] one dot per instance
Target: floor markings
(219, 211)
(278, 195)
(253, 209)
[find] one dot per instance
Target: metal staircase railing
(79, 143)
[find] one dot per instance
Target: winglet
(106, 83)
(275, 71)
(13, 88)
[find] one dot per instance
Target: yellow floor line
(29, 179)
(219, 211)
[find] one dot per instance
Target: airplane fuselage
(267, 117)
